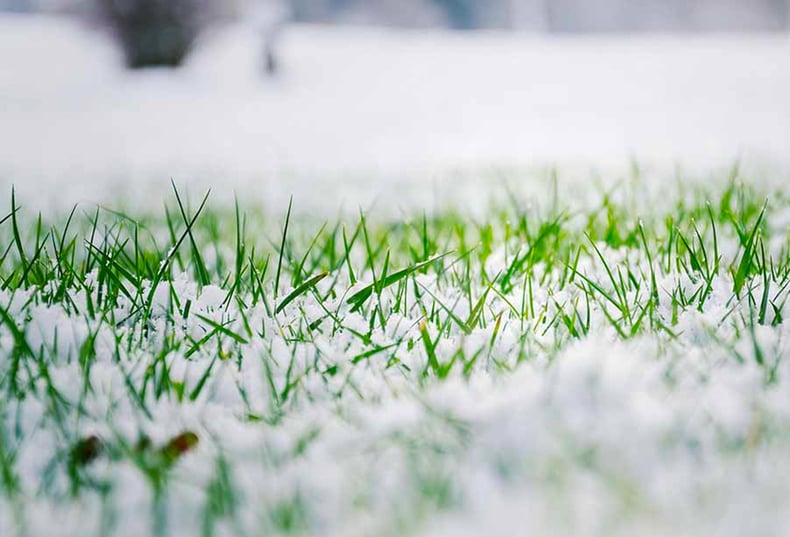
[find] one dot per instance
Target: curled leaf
(179, 445)
(86, 450)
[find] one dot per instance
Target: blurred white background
(292, 94)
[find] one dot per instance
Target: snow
(601, 443)
(355, 104)
(656, 435)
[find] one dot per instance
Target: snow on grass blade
(358, 299)
(305, 286)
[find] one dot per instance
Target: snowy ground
(598, 353)
(612, 365)
(356, 104)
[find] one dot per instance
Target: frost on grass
(545, 366)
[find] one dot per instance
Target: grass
(216, 371)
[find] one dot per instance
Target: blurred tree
(15, 6)
(461, 14)
(270, 16)
(667, 15)
(155, 32)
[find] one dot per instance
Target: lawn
(605, 364)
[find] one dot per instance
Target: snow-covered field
(609, 365)
(352, 106)
(487, 348)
